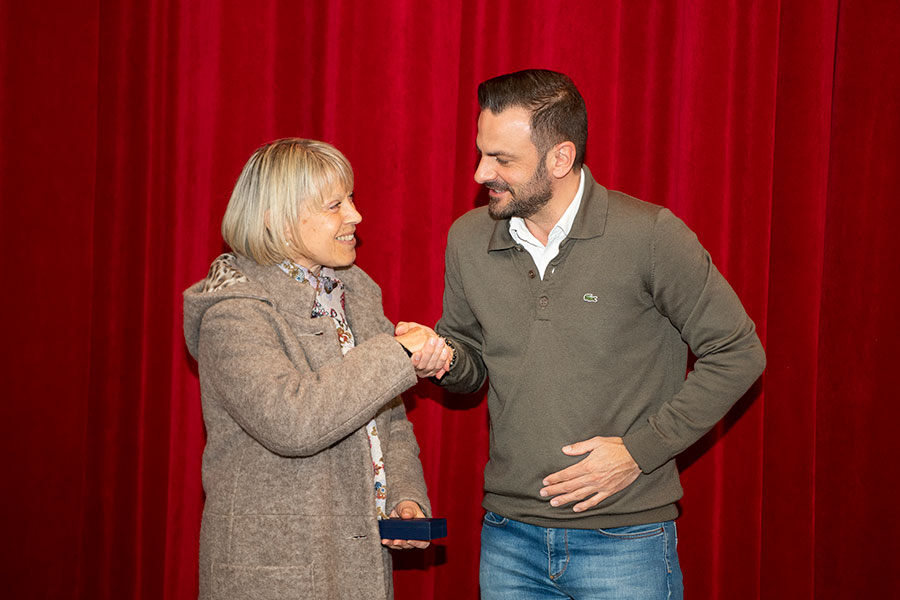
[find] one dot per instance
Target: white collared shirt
(541, 254)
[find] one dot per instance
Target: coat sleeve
(287, 407)
(459, 323)
(403, 470)
(689, 290)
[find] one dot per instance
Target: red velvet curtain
(772, 129)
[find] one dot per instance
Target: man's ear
(561, 159)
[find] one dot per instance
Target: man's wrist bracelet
(452, 347)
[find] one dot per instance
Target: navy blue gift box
(412, 529)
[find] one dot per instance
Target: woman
(307, 441)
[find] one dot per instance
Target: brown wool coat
(287, 469)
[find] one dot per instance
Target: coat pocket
(309, 556)
(240, 582)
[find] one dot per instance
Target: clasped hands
(430, 354)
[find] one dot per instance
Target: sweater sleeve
(291, 409)
(689, 290)
(459, 323)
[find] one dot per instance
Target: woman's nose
(351, 215)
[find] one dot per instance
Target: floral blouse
(330, 303)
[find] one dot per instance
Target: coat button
(531, 273)
(544, 301)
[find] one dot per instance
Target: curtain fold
(857, 376)
(806, 52)
(48, 143)
(772, 129)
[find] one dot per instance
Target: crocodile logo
(589, 297)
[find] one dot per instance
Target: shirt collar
(589, 222)
(519, 230)
(325, 281)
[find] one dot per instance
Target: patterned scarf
(330, 303)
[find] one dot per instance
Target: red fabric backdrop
(772, 128)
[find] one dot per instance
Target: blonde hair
(279, 179)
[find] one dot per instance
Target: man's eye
(502, 162)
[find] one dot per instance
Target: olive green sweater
(598, 347)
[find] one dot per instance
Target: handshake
(430, 354)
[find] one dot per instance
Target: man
(575, 302)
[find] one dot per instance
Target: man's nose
(484, 172)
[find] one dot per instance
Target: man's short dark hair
(557, 109)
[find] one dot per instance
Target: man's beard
(531, 197)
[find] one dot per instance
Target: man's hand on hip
(607, 469)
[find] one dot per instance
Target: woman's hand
(430, 354)
(413, 336)
(407, 509)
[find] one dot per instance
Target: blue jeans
(524, 562)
